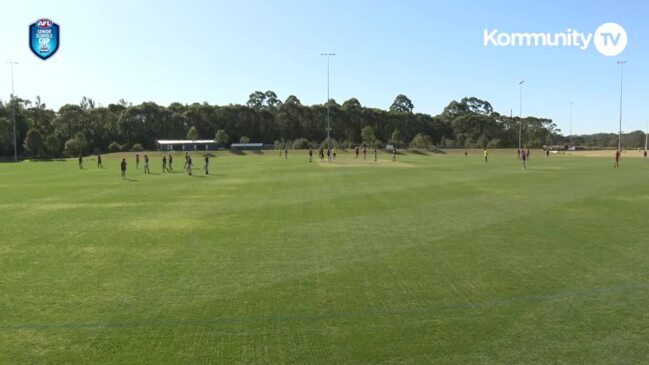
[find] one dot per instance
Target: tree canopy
(89, 127)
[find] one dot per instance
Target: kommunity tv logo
(610, 39)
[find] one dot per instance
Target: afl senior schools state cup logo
(44, 38)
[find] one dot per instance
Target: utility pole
(520, 124)
(328, 55)
(571, 118)
(619, 139)
(13, 111)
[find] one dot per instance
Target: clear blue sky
(221, 51)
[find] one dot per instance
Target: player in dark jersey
(617, 159)
(321, 153)
(394, 154)
(171, 161)
(81, 162)
(137, 161)
(364, 152)
(207, 165)
(123, 168)
(524, 159)
(285, 152)
(310, 154)
(356, 151)
(189, 165)
(146, 165)
(164, 164)
(99, 164)
(376, 156)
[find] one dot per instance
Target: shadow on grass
(45, 160)
(419, 152)
(237, 152)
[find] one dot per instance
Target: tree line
(90, 128)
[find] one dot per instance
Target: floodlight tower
(571, 103)
(619, 139)
(328, 55)
(13, 107)
(520, 122)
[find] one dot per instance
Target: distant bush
(114, 147)
(53, 145)
(421, 141)
(138, 147)
(244, 139)
(495, 143)
(332, 143)
(124, 148)
(300, 144)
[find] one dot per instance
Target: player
(285, 152)
(394, 154)
(80, 162)
(333, 153)
(171, 161)
(617, 159)
(164, 164)
(137, 161)
(645, 153)
(523, 159)
(486, 155)
(547, 154)
(146, 165)
(466, 153)
(99, 164)
(321, 153)
(123, 167)
(376, 156)
(310, 155)
(328, 154)
(186, 159)
(527, 155)
(364, 152)
(207, 165)
(188, 166)
(357, 150)
(518, 154)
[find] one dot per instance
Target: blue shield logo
(44, 38)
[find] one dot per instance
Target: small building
(186, 145)
(247, 146)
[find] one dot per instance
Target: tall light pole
(13, 113)
(619, 139)
(571, 103)
(646, 137)
(520, 122)
(328, 55)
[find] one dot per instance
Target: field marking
(330, 315)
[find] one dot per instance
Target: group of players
(331, 154)
(167, 164)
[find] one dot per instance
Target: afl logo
(44, 23)
(44, 38)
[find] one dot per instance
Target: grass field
(438, 258)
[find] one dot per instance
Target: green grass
(438, 258)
